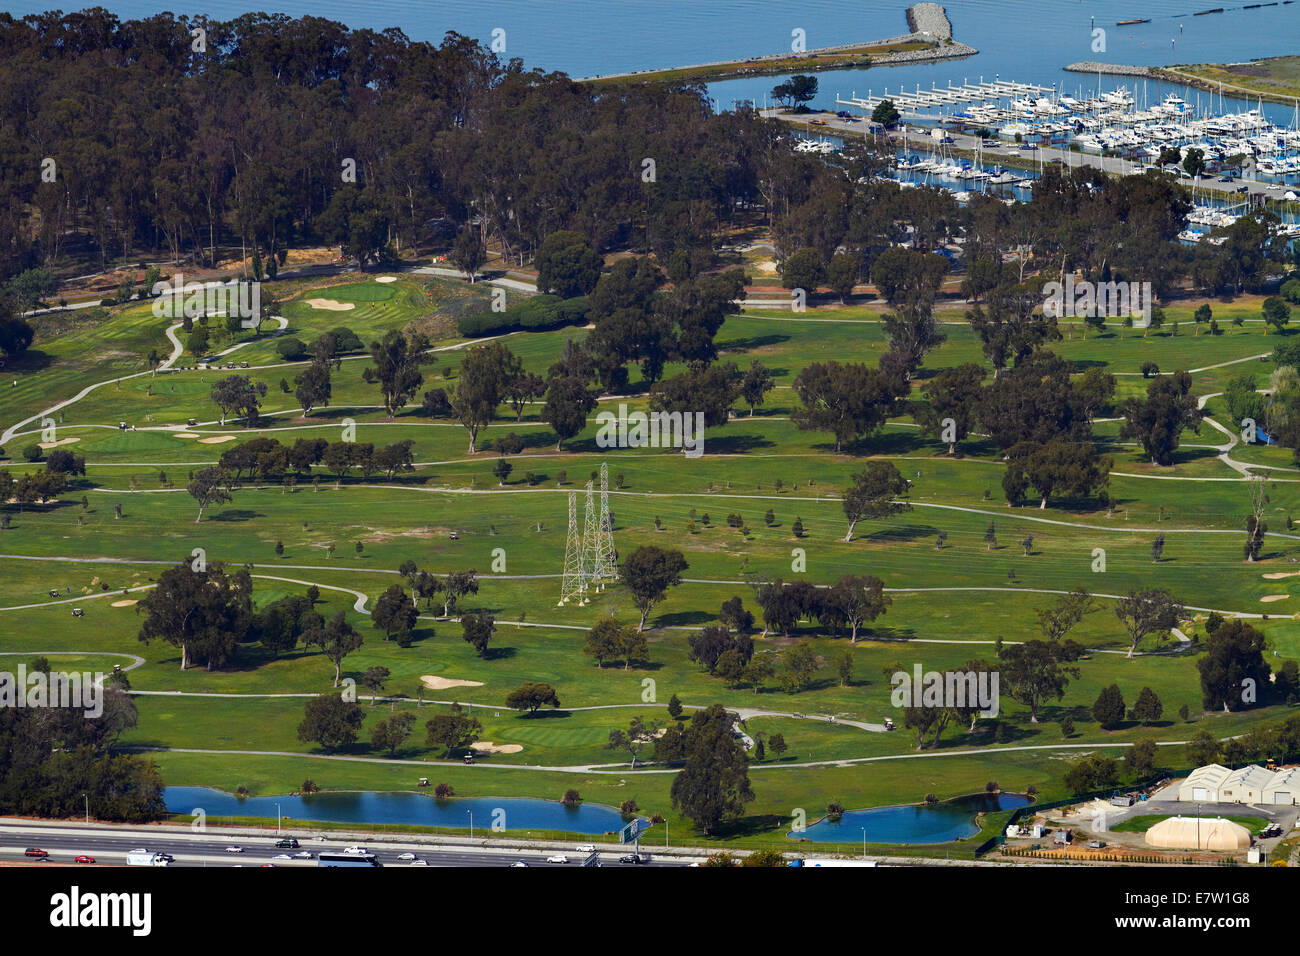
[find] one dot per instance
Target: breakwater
(1113, 69)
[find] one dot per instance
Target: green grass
(411, 519)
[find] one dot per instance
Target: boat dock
(916, 102)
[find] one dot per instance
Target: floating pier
(920, 100)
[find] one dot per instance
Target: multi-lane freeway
(109, 847)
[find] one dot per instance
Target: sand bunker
(434, 682)
(216, 439)
(185, 434)
(386, 279)
(1268, 598)
(125, 603)
(56, 444)
(488, 747)
(1278, 575)
(332, 305)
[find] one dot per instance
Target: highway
(109, 846)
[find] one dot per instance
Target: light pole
(87, 799)
(277, 818)
(471, 823)
(864, 842)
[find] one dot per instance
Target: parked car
(286, 844)
(84, 859)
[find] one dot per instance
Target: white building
(1202, 784)
(1251, 784)
(1284, 789)
(1245, 785)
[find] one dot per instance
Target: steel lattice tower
(575, 582)
(606, 556)
(591, 543)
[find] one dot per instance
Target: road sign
(634, 829)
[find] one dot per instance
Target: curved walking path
(135, 659)
(362, 597)
(623, 768)
(177, 351)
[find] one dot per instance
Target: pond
(403, 808)
(919, 823)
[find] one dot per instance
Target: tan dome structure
(1191, 833)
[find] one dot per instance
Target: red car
(34, 851)
(84, 859)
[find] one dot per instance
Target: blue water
(402, 808)
(1027, 40)
(923, 823)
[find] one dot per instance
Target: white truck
(145, 858)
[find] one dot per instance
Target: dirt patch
(378, 536)
(1279, 575)
(185, 434)
(1269, 598)
(125, 603)
(331, 305)
(488, 747)
(386, 279)
(216, 439)
(56, 444)
(434, 682)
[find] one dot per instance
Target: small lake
(402, 808)
(921, 823)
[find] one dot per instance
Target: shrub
(291, 349)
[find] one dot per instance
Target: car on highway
(35, 851)
(84, 859)
(406, 856)
(286, 844)
(282, 856)
(304, 855)
(234, 849)
(557, 858)
(354, 850)
(634, 858)
(586, 848)
(167, 857)
(518, 863)
(418, 862)
(138, 849)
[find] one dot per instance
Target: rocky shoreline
(929, 18)
(927, 21)
(1113, 69)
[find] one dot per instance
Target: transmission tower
(606, 556)
(591, 543)
(575, 582)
